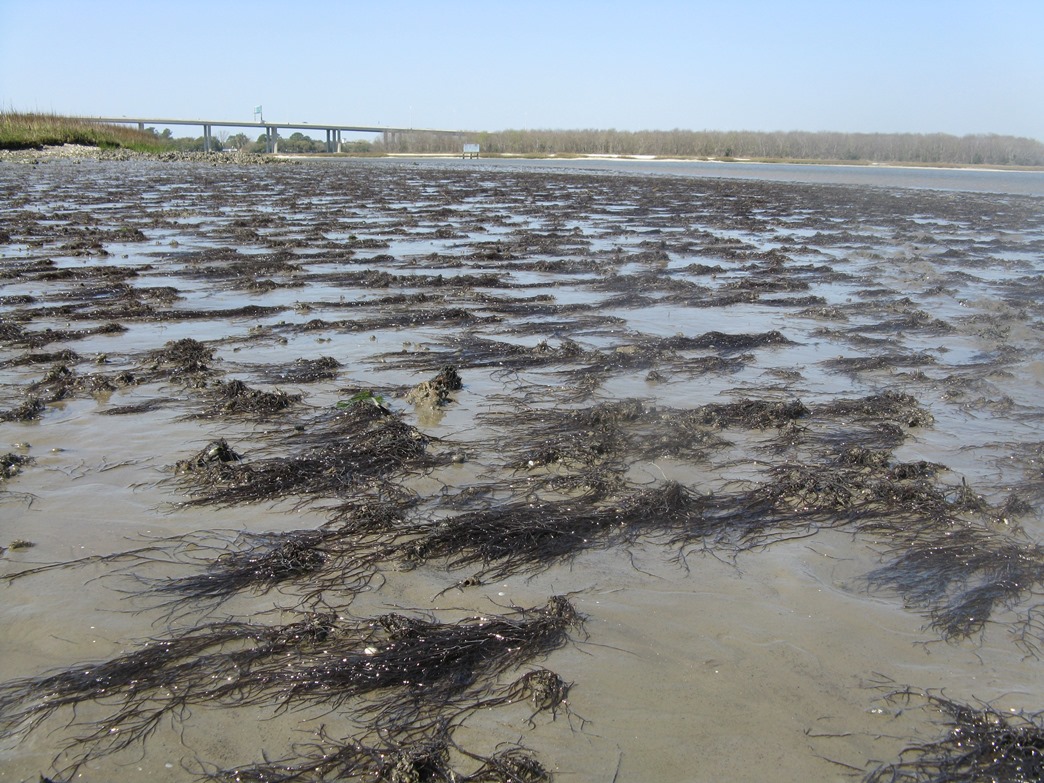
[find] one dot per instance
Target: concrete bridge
(333, 132)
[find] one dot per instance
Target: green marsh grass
(19, 130)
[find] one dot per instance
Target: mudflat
(434, 470)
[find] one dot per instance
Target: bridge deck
(333, 132)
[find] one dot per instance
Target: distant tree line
(794, 145)
(930, 148)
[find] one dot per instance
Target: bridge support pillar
(206, 138)
(271, 138)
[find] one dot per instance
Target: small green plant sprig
(365, 397)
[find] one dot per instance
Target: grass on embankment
(33, 131)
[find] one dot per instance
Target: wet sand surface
(779, 446)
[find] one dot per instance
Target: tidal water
(1029, 183)
(552, 287)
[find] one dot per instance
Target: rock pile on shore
(79, 151)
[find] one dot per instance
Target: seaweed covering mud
(384, 470)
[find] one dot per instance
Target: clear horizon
(884, 67)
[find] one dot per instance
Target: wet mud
(429, 472)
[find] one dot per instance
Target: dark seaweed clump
(323, 562)
(325, 368)
(963, 576)
(30, 409)
(11, 464)
(335, 456)
(425, 760)
(236, 398)
(980, 744)
(399, 673)
(523, 537)
(187, 361)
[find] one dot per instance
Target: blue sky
(919, 66)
